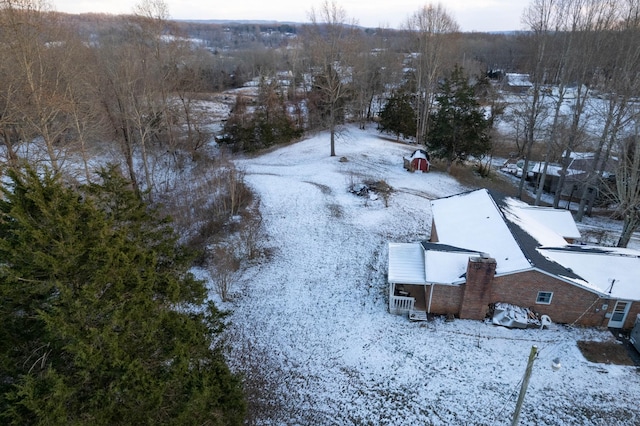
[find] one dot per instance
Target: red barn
(419, 160)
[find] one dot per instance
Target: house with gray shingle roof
(486, 248)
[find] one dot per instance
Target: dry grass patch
(467, 174)
(608, 352)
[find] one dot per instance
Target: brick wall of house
(478, 288)
(471, 300)
(568, 303)
(446, 299)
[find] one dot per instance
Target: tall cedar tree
(398, 116)
(458, 129)
(268, 124)
(102, 322)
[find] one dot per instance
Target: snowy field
(311, 330)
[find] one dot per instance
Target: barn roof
(419, 153)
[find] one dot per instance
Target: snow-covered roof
(591, 267)
(419, 153)
(473, 221)
(552, 169)
(546, 220)
(580, 155)
(608, 270)
(586, 161)
(521, 237)
(406, 263)
(447, 267)
(520, 80)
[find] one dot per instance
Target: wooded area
(74, 85)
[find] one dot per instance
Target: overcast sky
(471, 15)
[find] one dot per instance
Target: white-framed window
(544, 297)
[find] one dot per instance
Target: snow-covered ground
(312, 333)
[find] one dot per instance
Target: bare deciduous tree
(329, 41)
(627, 186)
(224, 270)
(617, 79)
(36, 52)
(137, 88)
(538, 18)
(429, 28)
(85, 117)
(588, 22)
(376, 67)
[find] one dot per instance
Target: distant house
(552, 175)
(517, 83)
(486, 248)
(580, 165)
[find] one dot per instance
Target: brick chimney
(478, 288)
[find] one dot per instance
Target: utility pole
(525, 383)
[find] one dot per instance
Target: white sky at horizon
(471, 15)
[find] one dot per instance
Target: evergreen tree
(102, 322)
(398, 116)
(268, 124)
(458, 129)
(239, 129)
(272, 121)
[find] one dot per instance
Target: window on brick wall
(544, 297)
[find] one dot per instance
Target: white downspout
(391, 293)
(430, 297)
